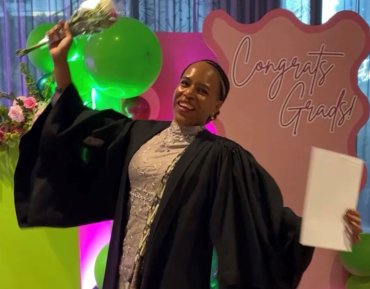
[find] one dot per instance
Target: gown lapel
(171, 201)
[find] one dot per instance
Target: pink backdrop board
(293, 86)
(260, 114)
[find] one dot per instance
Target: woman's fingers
(353, 212)
(60, 39)
(67, 29)
(353, 218)
(58, 33)
(53, 35)
(353, 224)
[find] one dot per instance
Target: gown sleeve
(255, 236)
(65, 175)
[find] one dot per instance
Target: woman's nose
(189, 92)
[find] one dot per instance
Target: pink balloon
(136, 108)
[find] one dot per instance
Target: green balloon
(357, 262)
(41, 57)
(46, 85)
(125, 59)
(214, 268)
(355, 282)
(100, 101)
(100, 264)
(80, 75)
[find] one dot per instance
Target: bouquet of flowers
(17, 119)
(92, 16)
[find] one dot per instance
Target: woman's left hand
(352, 219)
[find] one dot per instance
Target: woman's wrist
(60, 89)
(60, 60)
(62, 75)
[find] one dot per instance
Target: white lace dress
(146, 171)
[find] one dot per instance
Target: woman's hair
(224, 80)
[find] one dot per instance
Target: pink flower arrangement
(28, 102)
(21, 104)
(18, 118)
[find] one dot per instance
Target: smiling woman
(200, 94)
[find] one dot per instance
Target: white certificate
(332, 187)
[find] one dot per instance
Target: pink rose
(16, 113)
(28, 102)
(2, 135)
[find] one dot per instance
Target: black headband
(224, 80)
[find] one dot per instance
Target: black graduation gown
(72, 170)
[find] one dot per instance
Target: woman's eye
(203, 91)
(184, 83)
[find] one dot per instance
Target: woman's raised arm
(59, 50)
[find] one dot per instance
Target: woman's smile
(184, 106)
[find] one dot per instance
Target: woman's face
(197, 95)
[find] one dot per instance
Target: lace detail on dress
(146, 170)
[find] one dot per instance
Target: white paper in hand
(332, 187)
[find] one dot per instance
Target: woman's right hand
(62, 36)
